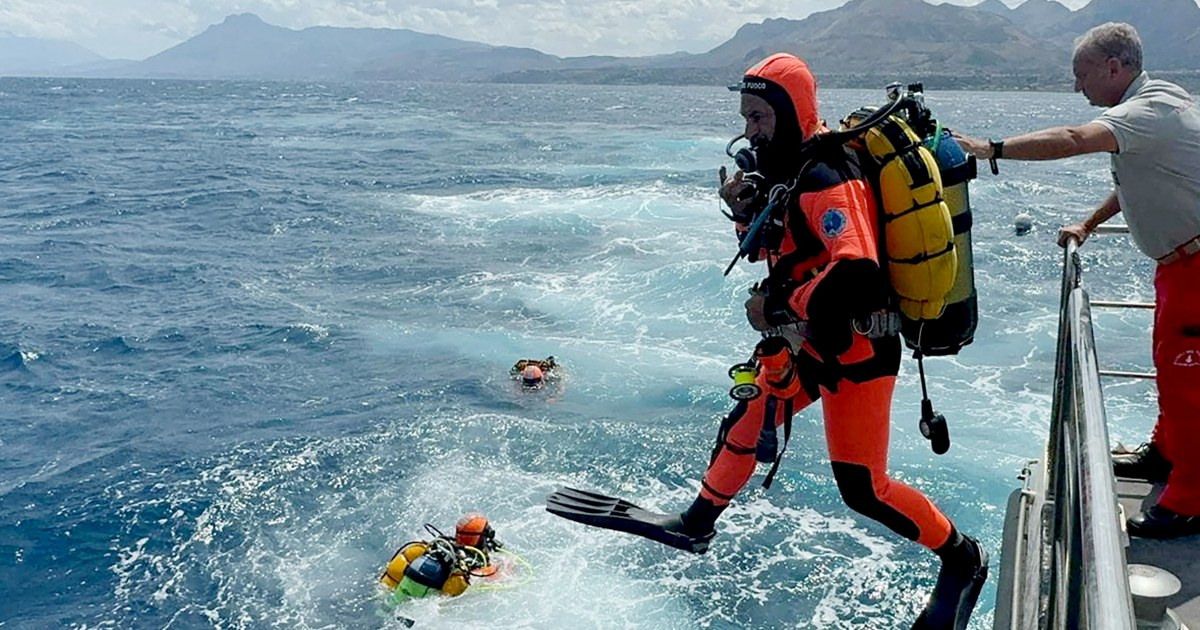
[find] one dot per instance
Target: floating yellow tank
(399, 562)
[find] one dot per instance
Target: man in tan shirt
(1152, 131)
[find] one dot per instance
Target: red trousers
(1177, 362)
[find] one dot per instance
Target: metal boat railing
(1064, 560)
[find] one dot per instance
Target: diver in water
(443, 564)
(534, 373)
(823, 282)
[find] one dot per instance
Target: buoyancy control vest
(920, 181)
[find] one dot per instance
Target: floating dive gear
(1022, 223)
(428, 572)
(399, 563)
(443, 564)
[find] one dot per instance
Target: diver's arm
(846, 289)
(1047, 144)
(849, 285)
(1081, 231)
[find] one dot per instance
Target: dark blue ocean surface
(255, 335)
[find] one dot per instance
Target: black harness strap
(727, 423)
(787, 435)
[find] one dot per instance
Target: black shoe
(959, 582)
(1145, 462)
(1161, 523)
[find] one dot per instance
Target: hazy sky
(139, 28)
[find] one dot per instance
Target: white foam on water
(295, 533)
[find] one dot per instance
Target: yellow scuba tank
(921, 189)
(456, 584)
(400, 561)
(918, 236)
(956, 327)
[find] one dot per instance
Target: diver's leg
(733, 460)
(857, 423)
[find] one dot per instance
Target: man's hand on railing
(1077, 231)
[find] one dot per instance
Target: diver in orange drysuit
(823, 273)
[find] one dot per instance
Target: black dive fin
(620, 515)
(954, 598)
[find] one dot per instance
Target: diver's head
(473, 530)
(532, 375)
(779, 103)
(760, 120)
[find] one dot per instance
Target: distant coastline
(861, 44)
(1188, 79)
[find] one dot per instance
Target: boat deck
(1180, 556)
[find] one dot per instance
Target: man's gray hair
(1113, 40)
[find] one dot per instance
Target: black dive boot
(697, 523)
(964, 570)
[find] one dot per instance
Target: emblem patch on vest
(1188, 358)
(833, 222)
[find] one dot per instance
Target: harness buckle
(878, 324)
(794, 333)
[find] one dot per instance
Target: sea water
(256, 334)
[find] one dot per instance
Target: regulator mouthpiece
(745, 158)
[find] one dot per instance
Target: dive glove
(767, 310)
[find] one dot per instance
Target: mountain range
(28, 55)
(862, 43)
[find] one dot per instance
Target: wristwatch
(997, 149)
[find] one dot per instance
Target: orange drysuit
(824, 270)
